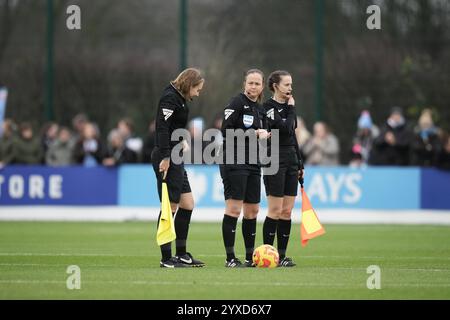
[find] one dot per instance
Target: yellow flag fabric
(166, 229)
(310, 227)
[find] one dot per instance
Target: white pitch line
(307, 268)
(51, 265)
(372, 257)
(49, 254)
(280, 284)
(31, 281)
(214, 214)
(26, 254)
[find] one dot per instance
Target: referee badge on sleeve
(228, 113)
(270, 114)
(248, 120)
(167, 113)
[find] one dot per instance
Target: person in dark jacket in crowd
(426, 144)
(131, 141)
(27, 148)
(89, 150)
(118, 153)
(78, 123)
(392, 146)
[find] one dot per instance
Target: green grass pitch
(121, 261)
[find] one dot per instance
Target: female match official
(172, 114)
(281, 188)
(242, 182)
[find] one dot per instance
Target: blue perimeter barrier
(135, 186)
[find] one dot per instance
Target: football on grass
(266, 256)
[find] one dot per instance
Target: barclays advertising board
(135, 185)
(340, 187)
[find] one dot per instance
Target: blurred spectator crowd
(394, 143)
(57, 145)
(398, 143)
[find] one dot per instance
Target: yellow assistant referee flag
(166, 228)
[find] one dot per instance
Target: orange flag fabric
(311, 226)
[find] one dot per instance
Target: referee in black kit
(281, 188)
(242, 182)
(172, 114)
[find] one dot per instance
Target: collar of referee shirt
(181, 95)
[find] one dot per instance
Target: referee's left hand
(301, 172)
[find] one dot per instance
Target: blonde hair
(187, 79)
(426, 119)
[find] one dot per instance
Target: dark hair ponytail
(275, 77)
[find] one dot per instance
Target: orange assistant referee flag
(310, 226)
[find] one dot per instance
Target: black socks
(283, 233)
(282, 228)
(249, 234)
(269, 230)
(166, 251)
(182, 220)
(229, 235)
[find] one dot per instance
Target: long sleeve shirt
(245, 114)
(172, 114)
(282, 117)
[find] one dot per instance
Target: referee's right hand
(164, 165)
(291, 101)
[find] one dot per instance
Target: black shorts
(241, 183)
(177, 179)
(285, 181)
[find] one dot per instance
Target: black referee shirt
(242, 113)
(282, 116)
(172, 114)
